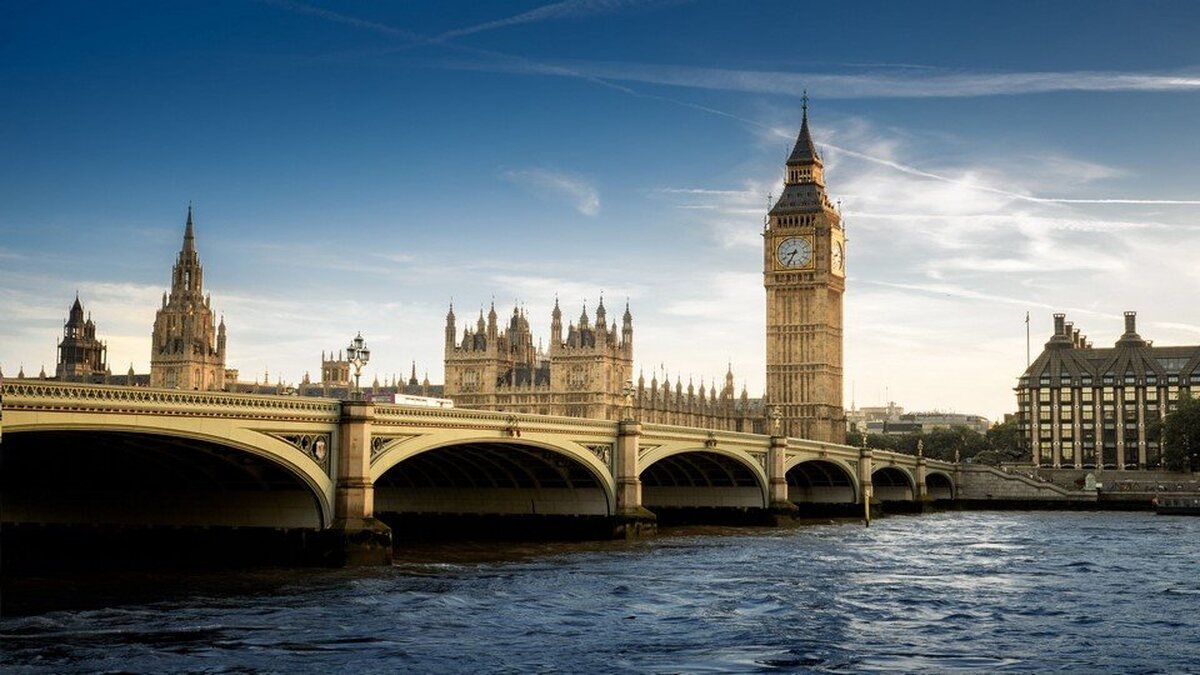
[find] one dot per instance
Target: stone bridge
(92, 454)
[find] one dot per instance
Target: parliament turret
(187, 347)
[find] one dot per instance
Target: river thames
(978, 591)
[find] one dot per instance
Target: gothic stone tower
(589, 368)
(187, 349)
(804, 268)
(583, 374)
(81, 357)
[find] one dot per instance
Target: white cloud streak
(558, 10)
(900, 82)
(559, 185)
(344, 19)
(1007, 193)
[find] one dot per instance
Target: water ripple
(955, 592)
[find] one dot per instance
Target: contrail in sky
(697, 77)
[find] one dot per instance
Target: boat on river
(1177, 506)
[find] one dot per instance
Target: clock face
(837, 259)
(793, 252)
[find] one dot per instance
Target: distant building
(81, 356)
(187, 349)
(857, 418)
(1086, 407)
(924, 422)
(891, 420)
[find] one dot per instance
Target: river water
(981, 591)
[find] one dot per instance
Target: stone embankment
(1029, 487)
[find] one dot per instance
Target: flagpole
(1027, 339)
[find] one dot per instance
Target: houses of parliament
(588, 369)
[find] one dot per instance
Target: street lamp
(358, 355)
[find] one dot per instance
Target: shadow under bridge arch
(702, 478)
(142, 477)
(939, 485)
(493, 478)
(819, 481)
(892, 484)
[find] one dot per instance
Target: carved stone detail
(602, 451)
(381, 443)
(317, 447)
(761, 458)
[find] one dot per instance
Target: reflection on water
(1088, 592)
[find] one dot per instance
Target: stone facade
(81, 356)
(584, 373)
(1086, 407)
(187, 349)
(804, 268)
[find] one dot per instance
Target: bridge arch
(824, 480)
(444, 473)
(939, 485)
(690, 476)
(892, 484)
(147, 472)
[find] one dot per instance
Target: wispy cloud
(345, 19)
(558, 10)
(973, 185)
(901, 82)
(558, 185)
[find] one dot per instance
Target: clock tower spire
(804, 276)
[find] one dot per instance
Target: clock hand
(790, 256)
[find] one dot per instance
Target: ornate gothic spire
(804, 152)
(189, 236)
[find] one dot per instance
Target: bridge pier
(631, 519)
(921, 489)
(866, 467)
(779, 507)
(355, 536)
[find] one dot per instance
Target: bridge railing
(54, 396)
(397, 414)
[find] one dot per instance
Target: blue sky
(354, 166)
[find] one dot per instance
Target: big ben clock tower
(804, 271)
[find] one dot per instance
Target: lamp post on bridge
(358, 355)
(864, 477)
